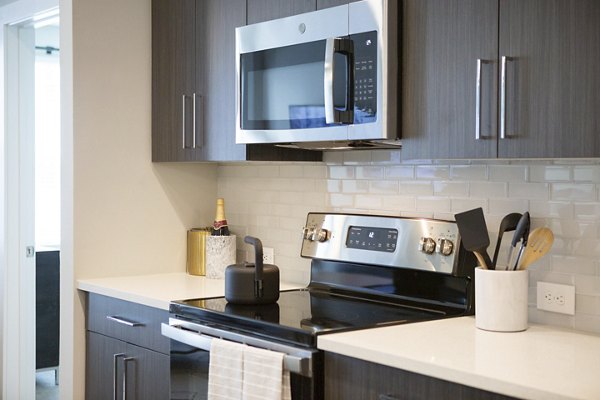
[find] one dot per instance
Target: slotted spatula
(474, 234)
(539, 243)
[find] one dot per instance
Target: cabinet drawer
(131, 322)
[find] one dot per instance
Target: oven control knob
(427, 245)
(445, 246)
(309, 234)
(322, 235)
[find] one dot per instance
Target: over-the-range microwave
(321, 80)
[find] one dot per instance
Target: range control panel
(423, 244)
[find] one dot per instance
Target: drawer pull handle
(123, 321)
(387, 397)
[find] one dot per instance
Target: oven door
(305, 78)
(190, 357)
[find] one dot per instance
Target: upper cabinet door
(265, 10)
(321, 4)
(449, 78)
(173, 80)
(552, 78)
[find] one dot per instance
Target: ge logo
(371, 235)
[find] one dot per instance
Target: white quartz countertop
(160, 289)
(542, 362)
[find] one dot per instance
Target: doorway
(32, 162)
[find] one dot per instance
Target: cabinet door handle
(183, 121)
(478, 98)
(194, 121)
(387, 397)
(115, 360)
(123, 321)
(503, 96)
(198, 121)
(126, 360)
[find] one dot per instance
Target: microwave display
(283, 88)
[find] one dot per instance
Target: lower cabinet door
(104, 367)
(148, 374)
(348, 378)
(118, 370)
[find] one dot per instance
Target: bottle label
(219, 224)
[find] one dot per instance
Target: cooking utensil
(539, 243)
(474, 234)
(521, 234)
(508, 224)
(256, 283)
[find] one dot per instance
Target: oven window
(283, 88)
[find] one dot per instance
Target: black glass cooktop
(300, 315)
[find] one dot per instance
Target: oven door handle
(297, 365)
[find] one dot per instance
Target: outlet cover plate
(556, 298)
(268, 255)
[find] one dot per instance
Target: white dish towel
(225, 372)
(264, 377)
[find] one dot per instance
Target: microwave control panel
(365, 77)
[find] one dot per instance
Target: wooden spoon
(539, 243)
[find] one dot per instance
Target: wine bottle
(220, 227)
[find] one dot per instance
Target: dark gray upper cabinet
(332, 3)
(550, 88)
(193, 84)
(552, 78)
(442, 41)
(173, 80)
(264, 10)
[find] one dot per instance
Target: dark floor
(45, 387)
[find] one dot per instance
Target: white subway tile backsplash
(549, 173)
(355, 186)
(291, 171)
(386, 156)
(341, 200)
(488, 189)
(587, 210)
(573, 265)
(357, 157)
(507, 206)
(315, 171)
(551, 209)
(433, 172)
(368, 172)
(468, 172)
(586, 173)
(368, 202)
(530, 191)
(416, 188)
(434, 204)
(558, 194)
(507, 173)
(460, 205)
(573, 191)
(459, 189)
(389, 187)
(400, 172)
(400, 203)
(334, 186)
(341, 172)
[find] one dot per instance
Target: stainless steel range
(366, 271)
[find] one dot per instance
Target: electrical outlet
(268, 255)
(556, 298)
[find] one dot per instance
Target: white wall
(271, 201)
(129, 216)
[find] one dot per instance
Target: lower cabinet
(127, 358)
(348, 378)
(119, 370)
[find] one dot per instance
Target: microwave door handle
(333, 115)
